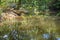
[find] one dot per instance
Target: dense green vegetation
(29, 20)
(31, 5)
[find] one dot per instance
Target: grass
(31, 27)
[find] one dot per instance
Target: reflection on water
(58, 38)
(46, 36)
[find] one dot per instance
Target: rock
(8, 16)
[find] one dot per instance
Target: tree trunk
(19, 4)
(0, 1)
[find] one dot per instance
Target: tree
(0, 1)
(19, 4)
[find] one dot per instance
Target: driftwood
(18, 12)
